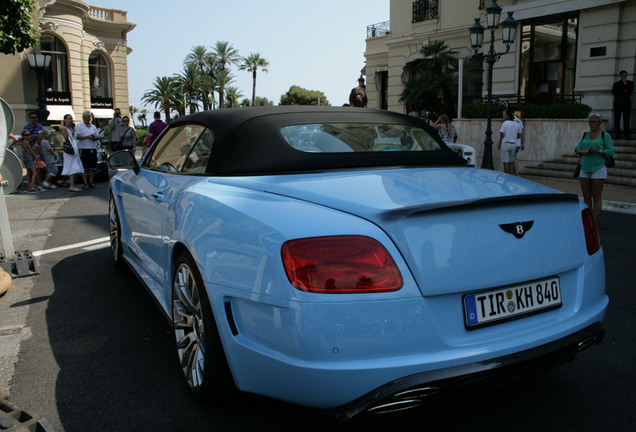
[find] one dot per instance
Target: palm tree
(232, 97)
(433, 81)
(142, 119)
(206, 63)
(224, 55)
(192, 83)
(162, 95)
(251, 63)
(223, 78)
(132, 110)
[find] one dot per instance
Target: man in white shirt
(508, 135)
(87, 139)
(520, 145)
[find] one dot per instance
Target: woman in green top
(593, 148)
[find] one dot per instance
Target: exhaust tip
(420, 392)
(396, 406)
(586, 343)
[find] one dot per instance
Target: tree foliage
(433, 80)
(252, 63)
(16, 26)
(300, 96)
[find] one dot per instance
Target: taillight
(340, 264)
(592, 239)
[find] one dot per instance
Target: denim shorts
(28, 164)
(600, 174)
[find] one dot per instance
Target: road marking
(92, 243)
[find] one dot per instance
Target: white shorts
(508, 152)
(600, 174)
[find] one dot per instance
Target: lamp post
(509, 30)
(40, 63)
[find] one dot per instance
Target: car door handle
(158, 196)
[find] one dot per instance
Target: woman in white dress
(72, 162)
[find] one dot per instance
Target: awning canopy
(102, 113)
(57, 112)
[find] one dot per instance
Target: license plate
(512, 302)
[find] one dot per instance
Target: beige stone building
(88, 67)
(564, 49)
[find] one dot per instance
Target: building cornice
(539, 8)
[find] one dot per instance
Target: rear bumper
(413, 390)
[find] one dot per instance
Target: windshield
(358, 137)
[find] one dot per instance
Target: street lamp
(361, 82)
(40, 63)
(509, 30)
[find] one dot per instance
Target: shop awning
(57, 112)
(102, 113)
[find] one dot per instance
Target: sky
(318, 45)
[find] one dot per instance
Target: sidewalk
(620, 199)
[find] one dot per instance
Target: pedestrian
(87, 140)
(520, 144)
(28, 160)
(40, 165)
(358, 97)
(424, 115)
(509, 133)
(128, 135)
(115, 125)
(445, 130)
(155, 128)
(72, 162)
(107, 143)
(594, 147)
(33, 126)
(50, 159)
(622, 91)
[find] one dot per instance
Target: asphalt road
(98, 354)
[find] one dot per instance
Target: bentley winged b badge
(518, 229)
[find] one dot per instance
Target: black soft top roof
(247, 141)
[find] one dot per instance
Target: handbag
(577, 170)
(67, 147)
(609, 161)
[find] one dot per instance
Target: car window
(171, 153)
(358, 137)
(197, 159)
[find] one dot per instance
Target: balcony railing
(100, 14)
(424, 10)
(378, 30)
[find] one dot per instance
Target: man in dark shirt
(156, 127)
(622, 91)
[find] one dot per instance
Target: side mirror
(123, 160)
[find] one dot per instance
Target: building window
(56, 78)
(99, 73)
(548, 59)
(472, 88)
(424, 10)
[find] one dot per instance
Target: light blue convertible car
(346, 259)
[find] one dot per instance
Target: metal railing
(378, 30)
(539, 100)
(424, 10)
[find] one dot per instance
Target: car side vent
(230, 318)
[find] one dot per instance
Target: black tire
(199, 349)
(114, 231)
